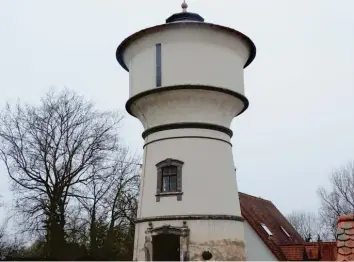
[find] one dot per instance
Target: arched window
(169, 179)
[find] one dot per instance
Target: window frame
(159, 185)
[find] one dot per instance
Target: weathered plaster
(222, 250)
(221, 238)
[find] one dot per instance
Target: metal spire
(184, 6)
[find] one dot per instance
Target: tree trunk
(93, 233)
(56, 234)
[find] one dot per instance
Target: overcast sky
(300, 123)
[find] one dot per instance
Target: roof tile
(345, 243)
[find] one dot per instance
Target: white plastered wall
(256, 249)
(191, 55)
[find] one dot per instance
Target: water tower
(186, 86)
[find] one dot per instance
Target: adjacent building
(270, 237)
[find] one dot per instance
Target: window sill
(167, 194)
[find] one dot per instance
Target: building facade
(186, 86)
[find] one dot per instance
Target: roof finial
(184, 6)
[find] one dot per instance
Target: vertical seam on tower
(158, 65)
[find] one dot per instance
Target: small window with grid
(169, 179)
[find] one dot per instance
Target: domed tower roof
(184, 16)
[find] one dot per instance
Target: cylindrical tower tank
(186, 86)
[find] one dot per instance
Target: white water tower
(186, 86)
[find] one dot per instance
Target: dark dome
(184, 16)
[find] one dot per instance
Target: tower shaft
(186, 86)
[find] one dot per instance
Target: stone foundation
(222, 238)
(222, 250)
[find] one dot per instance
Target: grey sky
(300, 123)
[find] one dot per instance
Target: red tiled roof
(328, 251)
(318, 251)
(293, 252)
(257, 211)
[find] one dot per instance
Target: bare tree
(9, 246)
(308, 225)
(108, 204)
(2, 243)
(338, 200)
(51, 149)
(121, 201)
(90, 199)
